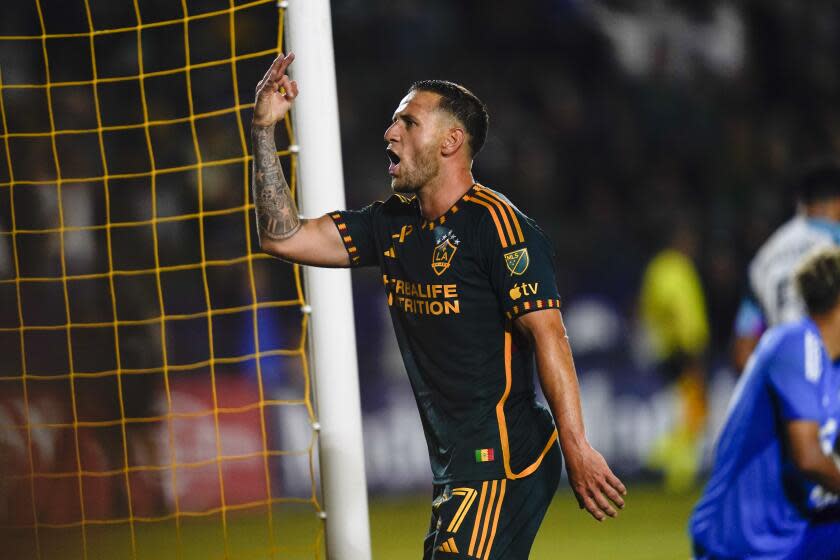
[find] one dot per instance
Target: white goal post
(333, 338)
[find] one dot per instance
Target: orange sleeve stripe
(495, 520)
(495, 219)
(346, 238)
(509, 208)
(495, 202)
(517, 310)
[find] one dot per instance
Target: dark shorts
(491, 519)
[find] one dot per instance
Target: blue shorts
(821, 541)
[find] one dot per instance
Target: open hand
(275, 92)
(595, 486)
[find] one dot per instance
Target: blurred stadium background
(614, 123)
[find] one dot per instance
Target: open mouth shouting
(395, 161)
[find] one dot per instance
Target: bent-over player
(774, 491)
(471, 288)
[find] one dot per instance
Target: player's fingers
(283, 63)
(266, 88)
(593, 508)
(613, 495)
(286, 84)
(290, 88)
(603, 503)
(616, 483)
(270, 72)
(267, 83)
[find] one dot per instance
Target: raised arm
(282, 232)
(594, 484)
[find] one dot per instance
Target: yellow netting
(131, 288)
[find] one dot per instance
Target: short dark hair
(819, 180)
(463, 105)
(818, 280)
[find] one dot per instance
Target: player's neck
(439, 195)
(829, 326)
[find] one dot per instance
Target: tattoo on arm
(277, 214)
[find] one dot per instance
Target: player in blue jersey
(470, 284)
(773, 491)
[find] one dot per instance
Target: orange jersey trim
(346, 238)
(500, 417)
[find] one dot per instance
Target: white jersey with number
(773, 267)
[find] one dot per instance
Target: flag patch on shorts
(484, 455)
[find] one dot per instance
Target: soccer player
(773, 491)
(772, 298)
(470, 284)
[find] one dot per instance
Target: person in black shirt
(471, 287)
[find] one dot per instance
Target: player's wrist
(572, 442)
(262, 124)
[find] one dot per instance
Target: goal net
(149, 349)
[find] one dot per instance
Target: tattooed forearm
(277, 215)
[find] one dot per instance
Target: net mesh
(149, 349)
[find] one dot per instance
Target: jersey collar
(430, 224)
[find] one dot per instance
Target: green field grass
(652, 527)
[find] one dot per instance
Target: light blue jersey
(757, 504)
(772, 298)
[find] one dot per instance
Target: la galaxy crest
(445, 246)
(517, 261)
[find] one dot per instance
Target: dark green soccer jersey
(454, 286)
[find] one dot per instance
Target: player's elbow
(279, 248)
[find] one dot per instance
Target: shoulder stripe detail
(492, 211)
(514, 219)
(502, 213)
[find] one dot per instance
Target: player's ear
(453, 140)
